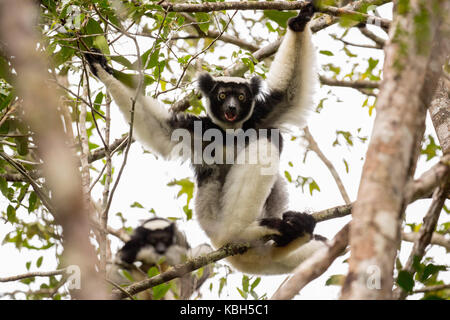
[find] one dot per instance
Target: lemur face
(230, 99)
(157, 233)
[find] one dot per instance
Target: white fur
(244, 193)
(293, 71)
(157, 224)
(150, 117)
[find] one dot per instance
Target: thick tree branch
(436, 239)
(428, 181)
(271, 5)
(440, 113)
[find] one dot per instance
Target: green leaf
(223, 282)
(22, 145)
(63, 55)
(101, 43)
(431, 149)
(153, 271)
(123, 61)
(249, 63)
(405, 280)
(280, 17)
(313, 186)
(187, 187)
(242, 293)
(137, 205)
(288, 176)
(28, 265)
(160, 291)
(335, 280)
(98, 100)
(326, 53)
(11, 213)
(4, 186)
(255, 283)
(346, 165)
(245, 283)
(430, 270)
(203, 19)
(126, 275)
(32, 202)
(39, 261)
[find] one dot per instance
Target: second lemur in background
(234, 201)
(157, 243)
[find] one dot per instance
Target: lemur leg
(151, 119)
(244, 193)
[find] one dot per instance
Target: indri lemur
(157, 242)
(238, 202)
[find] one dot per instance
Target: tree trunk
(406, 91)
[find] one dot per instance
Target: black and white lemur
(157, 242)
(240, 202)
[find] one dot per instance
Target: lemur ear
(205, 82)
(256, 85)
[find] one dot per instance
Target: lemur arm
(292, 75)
(151, 121)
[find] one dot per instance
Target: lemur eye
(222, 96)
(241, 97)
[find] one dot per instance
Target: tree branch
(438, 287)
(428, 181)
(436, 239)
(380, 42)
(314, 266)
(440, 113)
(314, 147)
(34, 274)
(426, 232)
(357, 84)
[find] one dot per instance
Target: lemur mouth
(230, 115)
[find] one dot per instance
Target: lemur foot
(299, 22)
(292, 226)
(96, 57)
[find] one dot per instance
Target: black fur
(96, 56)
(205, 83)
(159, 239)
(299, 22)
(292, 226)
(256, 85)
(130, 250)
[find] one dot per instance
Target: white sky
(145, 180)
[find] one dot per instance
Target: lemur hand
(96, 58)
(299, 22)
(292, 226)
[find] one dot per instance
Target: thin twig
(312, 144)
(34, 274)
